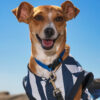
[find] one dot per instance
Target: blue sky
(83, 36)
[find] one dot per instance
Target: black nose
(49, 32)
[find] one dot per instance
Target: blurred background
(83, 36)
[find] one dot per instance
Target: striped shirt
(70, 76)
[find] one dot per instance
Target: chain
(56, 91)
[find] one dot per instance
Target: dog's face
(47, 23)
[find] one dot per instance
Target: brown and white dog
(47, 25)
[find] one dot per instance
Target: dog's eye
(59, 19)
(38, 17)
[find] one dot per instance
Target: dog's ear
(69, 10)
(23, 12)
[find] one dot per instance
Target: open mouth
(47, 43)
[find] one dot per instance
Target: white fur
(42, 72)
(50, 16)
(51, 24)
(41, 56)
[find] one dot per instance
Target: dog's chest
(68, 75)
(42, 89)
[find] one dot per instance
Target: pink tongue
(47, 43)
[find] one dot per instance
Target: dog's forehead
(47, 9)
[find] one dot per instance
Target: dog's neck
(38, 70)
(45, 57)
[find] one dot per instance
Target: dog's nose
(49, 32)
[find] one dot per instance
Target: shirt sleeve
(83, 77)
(86, 82)
(86, 95)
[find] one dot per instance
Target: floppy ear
(23, 12)
(69, 10)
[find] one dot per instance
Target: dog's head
(47, 23)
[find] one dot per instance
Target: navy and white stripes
(69, 77)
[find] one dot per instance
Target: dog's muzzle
(47, 43)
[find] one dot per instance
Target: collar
(52, 66)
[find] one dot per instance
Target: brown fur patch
(78, 94)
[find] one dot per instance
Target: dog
(52, 73)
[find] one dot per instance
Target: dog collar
(52, 66)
